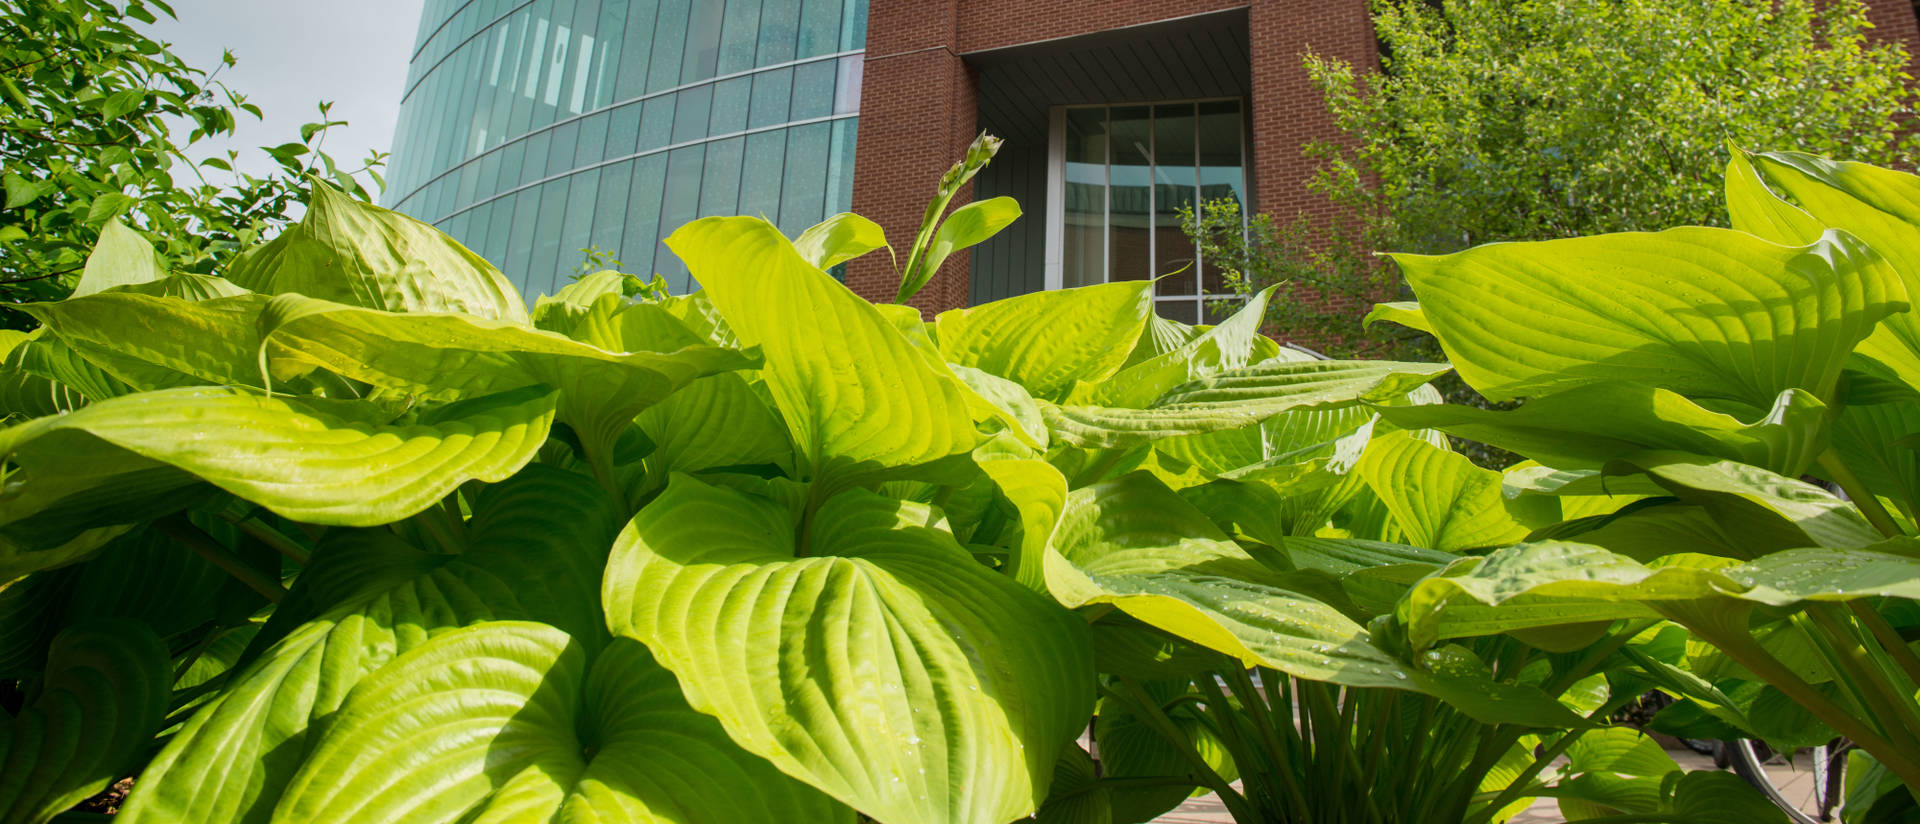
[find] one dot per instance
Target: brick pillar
(917, 115)
(1287, 111)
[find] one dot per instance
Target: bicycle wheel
(1828, 761)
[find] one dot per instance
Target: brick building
(1115, 112)
(533, 130)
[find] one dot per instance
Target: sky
(294, 53)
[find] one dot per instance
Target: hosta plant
(1753, 391)
(347, 533)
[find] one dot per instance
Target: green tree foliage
(92, 112)
(1496, 120)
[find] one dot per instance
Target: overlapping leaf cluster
(348, 534)
(1752, 393)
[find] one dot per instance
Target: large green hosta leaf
(533, 554)
(1547, 583)
(1300, 435)
(716, 421)
(161, 342)
(121, 258)
(1879, 206)
(1050, 341)
(514, 721)
(360, 254)
(1237, 399)
(25, 391)
(319, 462)
(1704, 312)
(838, 239)
(446, 357)
(851, 388)
(1133, 543)
(1766, 509)
(1439, 499)
(1587, 426)
(883, 665)
(45, 367)
(1038, 493)
(103, 699)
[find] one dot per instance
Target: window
(1118, 177)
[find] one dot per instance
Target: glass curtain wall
(1129, 171)
(534, 129)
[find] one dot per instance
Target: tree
(1496, 120)
(91, 110)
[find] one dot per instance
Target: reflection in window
(1085, 231)
(1128, 171)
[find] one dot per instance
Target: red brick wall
(1287, 111)
(916, 118)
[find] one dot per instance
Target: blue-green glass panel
(853, 31)
(737, 39)
(819, 28)
(636, 51)
(489, 184)
(529, 62)
(469, 176)
(813, 90)
(536, 163)
(610, 210)
(680, 205)
(779, 20)
(512, 157)
(623, 130)
(499, 231)
(760, 177)
(690, 113)
(840, 171)
(730, 105)
(566, 138)
(526, 207)
(669, 45)
(703, 41)
(720, 182)
(638, 245)
(803, 193)
(577, 231)
(593, 140)
(772, 93)
(546, 237)
(656, 123)
(554, 65)
(578, 93)
(612, 33)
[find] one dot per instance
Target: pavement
(1796, 785)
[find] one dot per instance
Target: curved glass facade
(534, 129)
